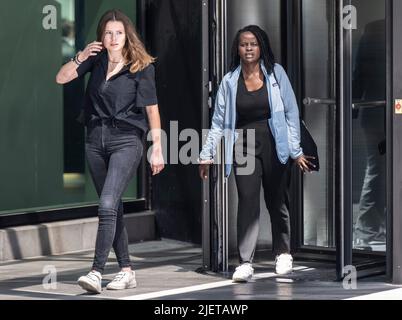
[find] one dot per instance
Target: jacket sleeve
(215, 133)
(291, 112)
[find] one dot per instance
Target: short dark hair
(267, 54)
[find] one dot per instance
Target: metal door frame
(215, 189)
(394, 147)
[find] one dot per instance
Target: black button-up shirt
(122, 98)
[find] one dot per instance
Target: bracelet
(73, 60)
(76, 60)
(76, 57)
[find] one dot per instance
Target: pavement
(169, 270)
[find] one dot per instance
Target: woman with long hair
(256, 95)
(121, 86)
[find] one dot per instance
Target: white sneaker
(92, 282)
(243, 273)
(283, 263)
(123, 280)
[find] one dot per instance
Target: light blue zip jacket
(284, 122)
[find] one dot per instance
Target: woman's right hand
(91, 49)
(304, 164)
(204, 168)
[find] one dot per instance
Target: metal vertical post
(206, 214)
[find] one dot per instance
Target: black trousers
(113, 156)
(274, 177)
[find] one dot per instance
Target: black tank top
(251, 106)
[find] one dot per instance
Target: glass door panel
(368, 126)
(343, 78)
(318, 88)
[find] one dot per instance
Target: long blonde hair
(134, 50)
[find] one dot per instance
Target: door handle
(369, 104)
(357, 105)
(310, 101)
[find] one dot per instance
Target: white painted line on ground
(171, 292)
(394, 294)
(302, 268)
(308, 269)
(200, 287)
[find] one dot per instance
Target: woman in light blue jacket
(256, 97)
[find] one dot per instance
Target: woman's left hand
(303, 163)
(156, 161)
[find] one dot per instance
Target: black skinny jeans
(275, 180)
(113, 155)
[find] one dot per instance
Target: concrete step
(67, 236)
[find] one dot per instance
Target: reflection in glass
(369, 87)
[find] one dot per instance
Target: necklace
(116, 61)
